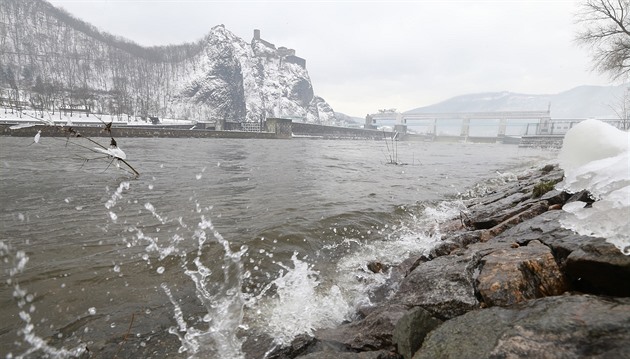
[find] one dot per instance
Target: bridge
(431, 121)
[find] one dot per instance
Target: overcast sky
(363, 56)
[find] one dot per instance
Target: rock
(411, 330)
(578, 326)
(381, 354)
(486, 216)
(599, 267)
(443, 286)
(555, 197)
(525, 212)
(590, 265)
(377, 267)
(582, 196)
(513, 275)
(374, 332)
(443, 248)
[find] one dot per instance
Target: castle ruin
(286, 54)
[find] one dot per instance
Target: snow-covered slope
(579, 102)
(53, 59)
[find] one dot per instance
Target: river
(217, 239)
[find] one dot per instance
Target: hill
(580, 102)
(51, 60)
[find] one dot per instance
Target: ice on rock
(595, 157)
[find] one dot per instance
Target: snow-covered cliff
(50, 59)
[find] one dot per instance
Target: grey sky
(367, 55)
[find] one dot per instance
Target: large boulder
(581, 326)
(590, 265)
(513, 275)
(443, 286)
(370, 333)
(411, 330)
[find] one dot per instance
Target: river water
(217, 240)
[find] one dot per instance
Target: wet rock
(560, 327)
(599, 267)
(443, 248)
(407, 266)
(486, 216)
(381, 354)
(443, 286)
(555, 197)
(302, 344)
(590, 265)
(374, 332)
(411, 330)
(377, 267)
(582, 196)
(525, 212)
(513, 275)
(464, 239)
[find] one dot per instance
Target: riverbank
(506, 280)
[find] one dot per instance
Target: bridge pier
(465, 128)
(502, 127)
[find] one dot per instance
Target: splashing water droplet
(160, 270)
(92, 310)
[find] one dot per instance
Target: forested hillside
(51, 60)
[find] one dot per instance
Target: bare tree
(607, 33)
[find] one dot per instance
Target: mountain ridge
(586, 101)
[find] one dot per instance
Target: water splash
(300, 304)
(218, 293)
(223, 300)
(25, 303)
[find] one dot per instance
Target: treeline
(51, 60)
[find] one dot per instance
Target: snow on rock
(595, 157)
(240, 81)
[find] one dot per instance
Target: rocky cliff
(48, 59)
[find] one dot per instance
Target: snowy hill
(580, 102)
(50, 59)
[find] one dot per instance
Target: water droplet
(92, 310)
(116, 268)
(160, 270)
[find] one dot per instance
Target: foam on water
(595, 157)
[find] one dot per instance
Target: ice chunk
(595, 157)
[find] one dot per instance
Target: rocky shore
(506, 281)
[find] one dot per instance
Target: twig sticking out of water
(113, 151)
(124, 339)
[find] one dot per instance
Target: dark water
(241, 236)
